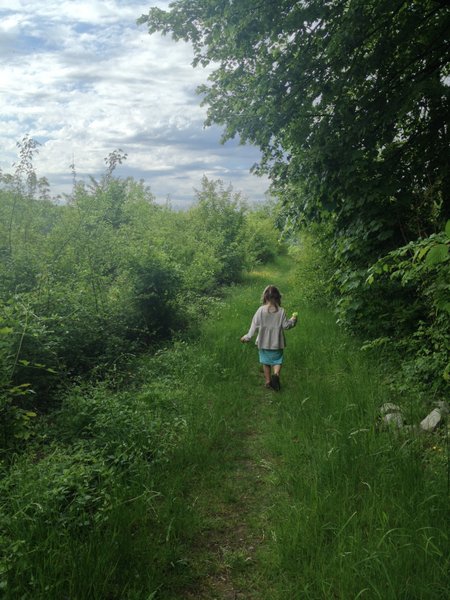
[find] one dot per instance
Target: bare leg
(267, 373)
(277, 369)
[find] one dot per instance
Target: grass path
(191, 481)
(238, 492)
(295, 494)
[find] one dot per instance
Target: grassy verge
(360, 513)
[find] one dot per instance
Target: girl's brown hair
(271, 295)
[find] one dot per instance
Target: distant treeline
(90, 281)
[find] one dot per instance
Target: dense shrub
(87, 478)
(217, 221)
(421, 271)
(105, 274)
(262, 236)
(313, 266)
(398, 305)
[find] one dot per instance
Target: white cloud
(83, 79)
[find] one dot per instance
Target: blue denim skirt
(271, 357)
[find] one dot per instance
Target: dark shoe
(275, 383)
(268, 386)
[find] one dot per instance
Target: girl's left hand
(244, 340)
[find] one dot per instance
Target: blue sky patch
(83, 79)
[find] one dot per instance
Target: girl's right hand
(244, 340)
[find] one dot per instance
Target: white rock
(388, 407)
(432, 420)
(394, 419)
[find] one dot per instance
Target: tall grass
(362, 514)
(124, 489)
(106, 503)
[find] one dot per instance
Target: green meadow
(193, 481)
(141, 455)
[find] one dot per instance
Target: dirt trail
(233, 556)
(236, 521)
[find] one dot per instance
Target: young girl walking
(270, 320)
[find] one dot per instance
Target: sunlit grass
(358, 505)
(339, 509)
(354, 513)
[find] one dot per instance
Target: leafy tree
(218, 220)
(261, 235)
(348, 101)
(345, 97)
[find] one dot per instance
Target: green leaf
(447, 229)
(437, 254)
(6, 330)
(446, 373)
(421, 253)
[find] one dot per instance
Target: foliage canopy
(347, 98)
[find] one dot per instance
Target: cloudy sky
(83, 79)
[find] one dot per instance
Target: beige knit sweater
(270, 325)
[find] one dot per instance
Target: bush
(86, 283)
(217, 221)
(262, 236)
(127, 430)
(313, 269)
(421, 271)
(45, 499)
